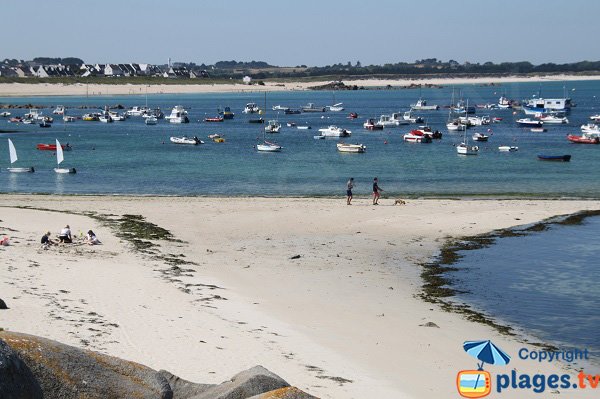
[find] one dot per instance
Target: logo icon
(478, 383)
(474, 383)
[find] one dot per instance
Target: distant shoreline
(81, 89)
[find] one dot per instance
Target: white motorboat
(455, 126)
(268, 147)
(387, 121)
(410, 117)
(273, 127)
(105, 118)
(13, 158)
(116, 117)
(303, 127)
(370, 124)
(178, 115)
(508, 148)
(59, 159)
(504, 103)
(251, 108)
(67, 118)
(5, 114)
(186, 140)
(529, 122)
(336, 107)
(465, 149)
(59, 110)
(480, 137)
(417, 136)
(595, 118)
(590, 128)
(421, 105)
(334, 131)
(553, 119)
(137, 111)
(475, 120)
(354, 148)
(152, 120)
(398, 117)
(280, 108)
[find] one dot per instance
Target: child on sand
(91, 238)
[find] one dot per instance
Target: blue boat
(557, 158)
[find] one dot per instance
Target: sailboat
(465, 149)
(336, 107)
(59, 158)
(13, 158)
(267, 146)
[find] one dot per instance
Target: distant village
(25, 69)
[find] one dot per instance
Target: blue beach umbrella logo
(487, 352)
(478, 383)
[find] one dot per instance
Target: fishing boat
(583, 139)
(273, 127)
(590, 128)
(105, 118)
(251, 108)
(214, 119)
(421, 105)
(480, 137)
(334, 131)
(59, 159)
(138, 111)
(507, 148)
(504, 102)
(13, 158)
(555, 158)
(303, 127)
(387, 121)
(69, 119)
(178, 115)
(398, 118)
(292, 112)
(116, 117)
(595, 118)
(353, 148)
(370, 124)
(529, 122)
(52, 147)
(410, 117)
(186, 140)
(310, 107)
(416, 136)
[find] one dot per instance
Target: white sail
(59, 153)
(12, 151)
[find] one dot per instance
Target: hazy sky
(311, 32)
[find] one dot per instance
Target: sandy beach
(321, 293)
(80, 89)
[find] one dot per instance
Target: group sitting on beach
(65, 237)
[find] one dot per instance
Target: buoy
(385, 142)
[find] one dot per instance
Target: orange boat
(52, 147)
(583, 139)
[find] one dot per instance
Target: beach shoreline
(329, 302)
(82, 89)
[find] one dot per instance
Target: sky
(309, 32)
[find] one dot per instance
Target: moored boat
(538, 129)
(421, 105)
(310, 107)
(267, 146)
(214, 119)
(13, 158)
(480, 137)
(226, 113)
(186, 140)
(508, 148)
(251, 108)
(353, 148)
(273, 127)
(529, 122)
(416, 136)
(334, 131)
(556, 158)
(370, 124)
(52, 147)
(583, 139)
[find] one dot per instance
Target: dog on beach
(399, 201)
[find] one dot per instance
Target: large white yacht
(178, 115)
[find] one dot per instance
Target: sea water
(544, 283)
(132, 158)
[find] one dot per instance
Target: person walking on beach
(349, 187)
(376, 190)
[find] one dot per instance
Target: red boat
(353, 115)
(52, 147)
(215, 119)
(583, 139)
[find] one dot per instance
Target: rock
(183, 389)
(66, 372)
(295, 257)
(16, 379)
(284, 393)
(429, 324)
(3, 304)
(252, 382)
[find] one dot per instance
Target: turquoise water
(544, 283)
(132, 158)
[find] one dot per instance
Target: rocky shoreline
(32, 367)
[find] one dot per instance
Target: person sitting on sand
(46, 240)
(65, 235)
(91, 238)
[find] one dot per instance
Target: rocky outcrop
(16, 379)
(34, 367)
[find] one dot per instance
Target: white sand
(80, 89)
(346, 308)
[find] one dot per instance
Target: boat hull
(65, 170)
(583, 139)
(554, 158)
(21, 170)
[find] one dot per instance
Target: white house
(247, 80)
